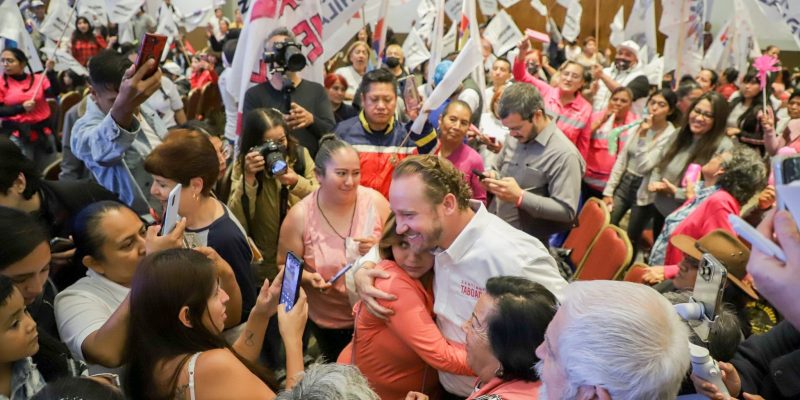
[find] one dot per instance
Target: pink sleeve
(670, 271)
(521, 75)
(413, 324)
(583, 139)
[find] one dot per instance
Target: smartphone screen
(790, 170)
(171, 216)
(411, 96)
(290, 287)
(151, 46)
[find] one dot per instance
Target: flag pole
(681, 43)
(53, 56)
(596, 23)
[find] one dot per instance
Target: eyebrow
(14, 316)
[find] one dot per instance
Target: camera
(274, 157)
(285, 56)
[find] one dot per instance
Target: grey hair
(744, 174)
(624, 337)
(282, 31)
(330, 382)
(522, 99)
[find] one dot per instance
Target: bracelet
(519, 200)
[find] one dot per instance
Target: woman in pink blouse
(454, 122)
(403, 353)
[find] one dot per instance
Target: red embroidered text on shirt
(470, 289)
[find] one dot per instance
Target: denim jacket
(115, 156)
(25, 380)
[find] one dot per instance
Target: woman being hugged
(178, 312)
(329, 229)
(259, 198)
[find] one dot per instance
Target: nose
(31, 324)
(540, 351)
(224, 296)
(402, 228)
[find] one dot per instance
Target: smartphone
(708, 288)
(60, 245)
(340, 273)
(411, 96)
(290, 287)
(151, 46)
(171, 216)
(786, 171)
(479, 174)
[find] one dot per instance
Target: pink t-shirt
(324, 252)
(466, 159)
(13, 92)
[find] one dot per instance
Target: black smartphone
(786, 170)
(151, 46)
(479, 174)
(290, 287)
(60, 245)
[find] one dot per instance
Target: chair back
(210, 100)
(593, 218)
(610, 253)
(68, 100)
(635, 273)
(193, 108)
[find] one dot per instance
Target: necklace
(352, 216)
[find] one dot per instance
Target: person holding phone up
(328, 229)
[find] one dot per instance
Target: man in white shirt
(627, 72)
(431, 203)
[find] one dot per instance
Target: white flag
(488, 7)
(166, 22)
(786, 11)
(469, 30)
(449, 41)
(507, 3)
(618, 28)
(682, 22)
(572, 22)
(426, 20)
(502, 33)
(414, 50)
(126, 33)
(194, 13)
(65, 60)
(94, 11)
(340, 24)
(262, 16)
(539, 7)
(734, 44)
(56, 21)
(12, 27)
(121, 11)
(437, 40)
(467, 61)
(641, 27)
(452, 8)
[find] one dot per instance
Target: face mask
(622, 65)
(392, 62)
(533, 69)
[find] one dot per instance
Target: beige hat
(729, 250)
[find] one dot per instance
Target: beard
(569, 392)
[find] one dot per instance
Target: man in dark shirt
(309, 116)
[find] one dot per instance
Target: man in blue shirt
(118, 131)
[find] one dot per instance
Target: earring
(499, 372)
(196, 197)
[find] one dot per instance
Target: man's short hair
(379, 75)
(282, 31)
(106, 70)
(520, 98)
(623, 336)
(440, 176)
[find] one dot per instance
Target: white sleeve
(78, 315)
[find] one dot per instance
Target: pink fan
(764, 65)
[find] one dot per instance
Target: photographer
(305, 103)
(259, 198)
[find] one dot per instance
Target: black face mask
(622, 65)
(392, 62)
(533, 69)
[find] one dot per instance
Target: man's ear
(586, 392)
(183, 316)
(20, 184)
(450, 204)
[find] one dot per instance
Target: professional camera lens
(295, 60)
(274, 157)
(276, 164)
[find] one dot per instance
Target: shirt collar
(470, 234)
(544, 136)
(365, 124)
(117, 290)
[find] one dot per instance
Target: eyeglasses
(8, 61)
(704, 114)
(476, 326)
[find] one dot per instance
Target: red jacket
(710, 215)
(599, 158)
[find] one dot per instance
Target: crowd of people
(433, 258)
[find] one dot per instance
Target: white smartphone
(171, 216)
